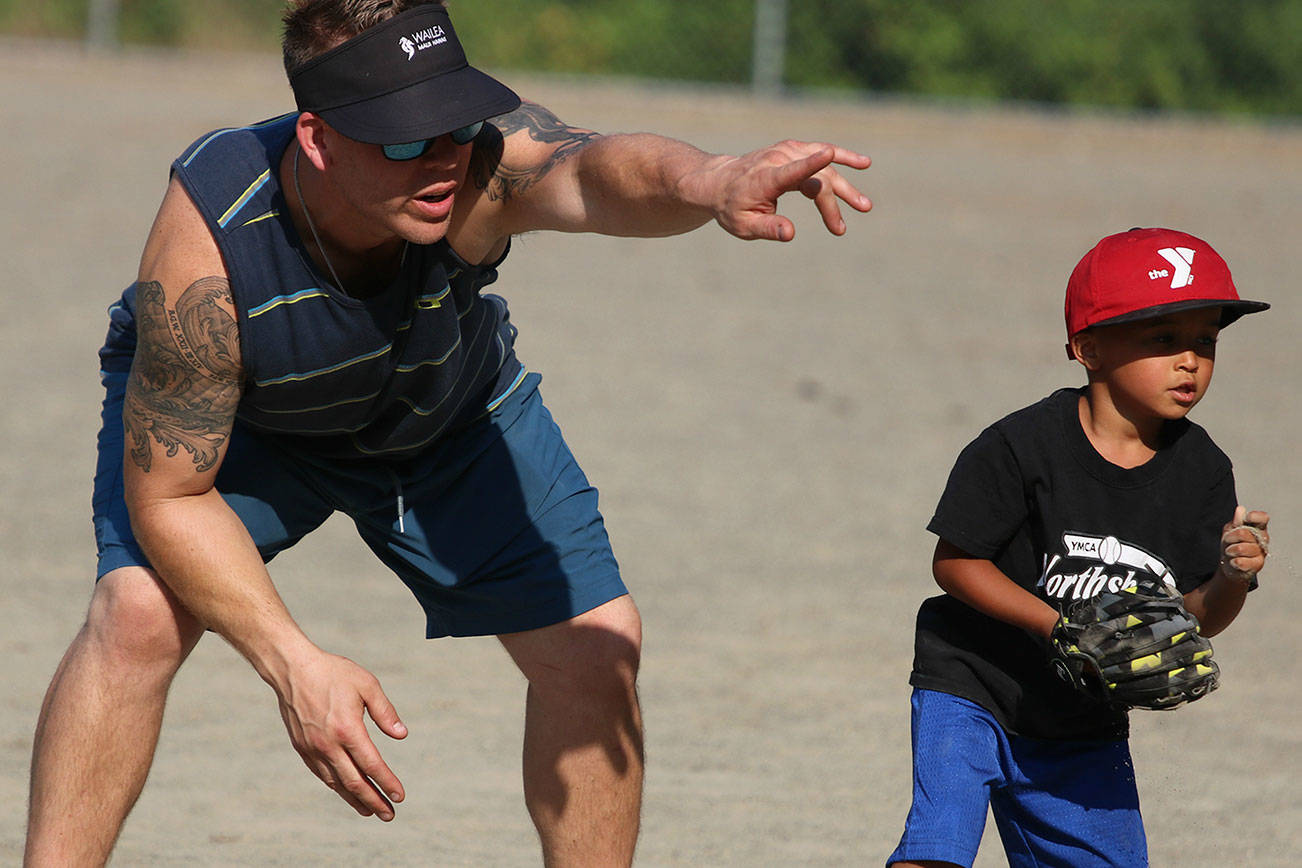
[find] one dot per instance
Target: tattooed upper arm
(504, 176)
(186, 376)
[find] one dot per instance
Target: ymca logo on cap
(1181, 259)
(1146, 273)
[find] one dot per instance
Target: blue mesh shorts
(1056, 804)
(495, 529)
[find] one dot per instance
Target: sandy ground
(770, 427)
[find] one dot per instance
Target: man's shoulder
(265, 139)
(230, 173)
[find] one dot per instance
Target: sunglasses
(411, 150)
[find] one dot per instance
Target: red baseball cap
(1145, 273)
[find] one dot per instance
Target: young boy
(1103, 486)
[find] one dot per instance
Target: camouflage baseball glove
(1135, 648)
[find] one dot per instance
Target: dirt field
(770, 427)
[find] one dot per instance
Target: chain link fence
(1229, 56)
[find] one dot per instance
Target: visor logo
(421, 40)
(1181, 259)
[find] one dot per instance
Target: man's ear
(311, 133)
(1084, 348)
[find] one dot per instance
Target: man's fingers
(324, 769)
(794, 174)
(850, 194)
(811, 188)
(368, 756)
(347, 779)
(754, 217)
(773, 227)
(853, 159)
(355, 770)
(827, 188)
(356, 789)
(369, 763)
(831, 213)
(832, 184)
(341, 771)
(383, 713)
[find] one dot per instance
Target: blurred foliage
(221, 24)
(1211, 55)
(1205, 55)
(689, 41)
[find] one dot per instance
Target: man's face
(411, 199)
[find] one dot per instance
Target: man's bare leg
(583, 734)
(100, 720)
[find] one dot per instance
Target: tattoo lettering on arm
(185, 377)
(503, 180)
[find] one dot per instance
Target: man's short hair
(315, 26)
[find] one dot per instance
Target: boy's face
(1158, 367)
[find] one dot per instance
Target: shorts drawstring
(397, 485)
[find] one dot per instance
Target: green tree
(1205, 55)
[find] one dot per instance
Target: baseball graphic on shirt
(1109, 550)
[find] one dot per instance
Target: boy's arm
(1244, 545)
(983, 586)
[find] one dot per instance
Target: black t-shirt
(1032, 495)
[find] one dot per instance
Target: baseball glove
(1134, 648)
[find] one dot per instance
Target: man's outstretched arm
(534, 172)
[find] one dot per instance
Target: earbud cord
(298, 191)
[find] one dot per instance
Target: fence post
(102, 23)
(770, 46)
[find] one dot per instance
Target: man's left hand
(747, 188)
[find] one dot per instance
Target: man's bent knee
(135, 619)
(595, 652)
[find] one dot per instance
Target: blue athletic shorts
(1057, 804)
(498, 530)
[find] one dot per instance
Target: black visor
(400, 81)
(1231, 310)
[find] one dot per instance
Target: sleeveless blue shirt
(341, 376)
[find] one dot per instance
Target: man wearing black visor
(308, 334)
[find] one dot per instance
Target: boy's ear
(1083, 347)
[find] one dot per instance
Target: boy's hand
(1245, 542)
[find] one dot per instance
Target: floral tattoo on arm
(186, 374)
(503, 180)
